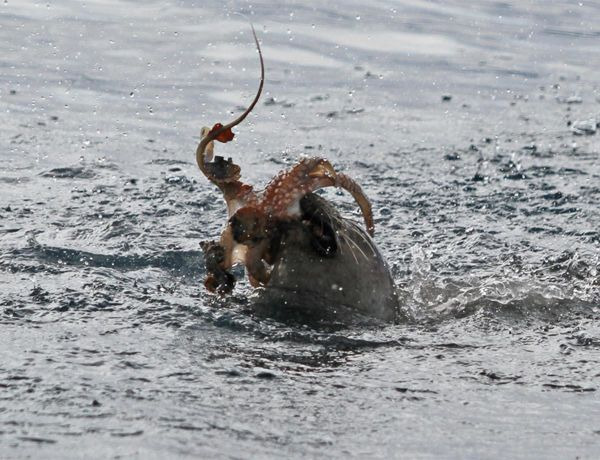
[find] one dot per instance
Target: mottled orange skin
(279, 198)
(289, 186)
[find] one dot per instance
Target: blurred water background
(472, 127)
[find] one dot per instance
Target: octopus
(293, 243)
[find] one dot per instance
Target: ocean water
(472, 128)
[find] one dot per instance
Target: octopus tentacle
(289, 186)
(258, 271)
(309, 175)
(221, 132)
(226, 174)
(350, 185)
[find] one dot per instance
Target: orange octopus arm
(224, 136)
(309, 175)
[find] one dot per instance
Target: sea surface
(472, 126)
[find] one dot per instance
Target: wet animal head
(249, 224)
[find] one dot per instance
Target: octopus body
(290, 240)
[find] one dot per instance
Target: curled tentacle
(224, 173)
(223, 133)
(258, 271)
(350, 185)
(288, 187)
(283, 193)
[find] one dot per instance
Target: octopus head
(249, 224)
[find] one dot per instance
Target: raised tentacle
(224, 173)
(350, 185)
(224, 133)
(258, 271)
(288, 187)
(310, 174)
